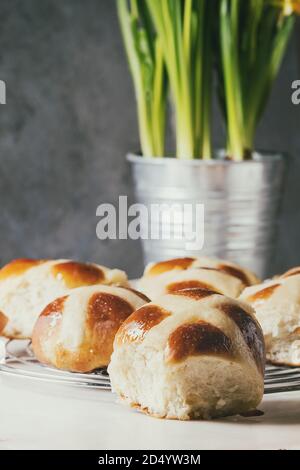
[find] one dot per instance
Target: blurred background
(69, 121)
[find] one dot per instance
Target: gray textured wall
(68, 122)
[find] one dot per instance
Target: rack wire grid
(18, 360)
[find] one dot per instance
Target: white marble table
(45, 416)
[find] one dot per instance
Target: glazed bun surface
(27, 286)
(183, 273)
(76, 332)
(277, 308)
(190, 354)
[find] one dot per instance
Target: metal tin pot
(241, 203)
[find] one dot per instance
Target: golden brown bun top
(284, 287)
(291, 272)
(244, 275)
(27, 286)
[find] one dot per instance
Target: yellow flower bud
(290, 7)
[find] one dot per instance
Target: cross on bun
(183, 273)
(190, 354)
(76, 332)
(277, 307)
(27, 286)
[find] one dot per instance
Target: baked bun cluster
(185, 273)
(277, 307)
(190, 354)
(27, 286)
(76, 332)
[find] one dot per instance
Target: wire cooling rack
(18, 360)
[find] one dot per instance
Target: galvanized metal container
(241, 203)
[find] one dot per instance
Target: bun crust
(27, 286)
(186, 273)
(277, 307)
(3, 321)
(190, 354)
(76, 332)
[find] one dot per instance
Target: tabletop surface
(37, 415)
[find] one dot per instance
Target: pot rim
(264, 157)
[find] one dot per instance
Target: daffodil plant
(173, 44)
(185, 32)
